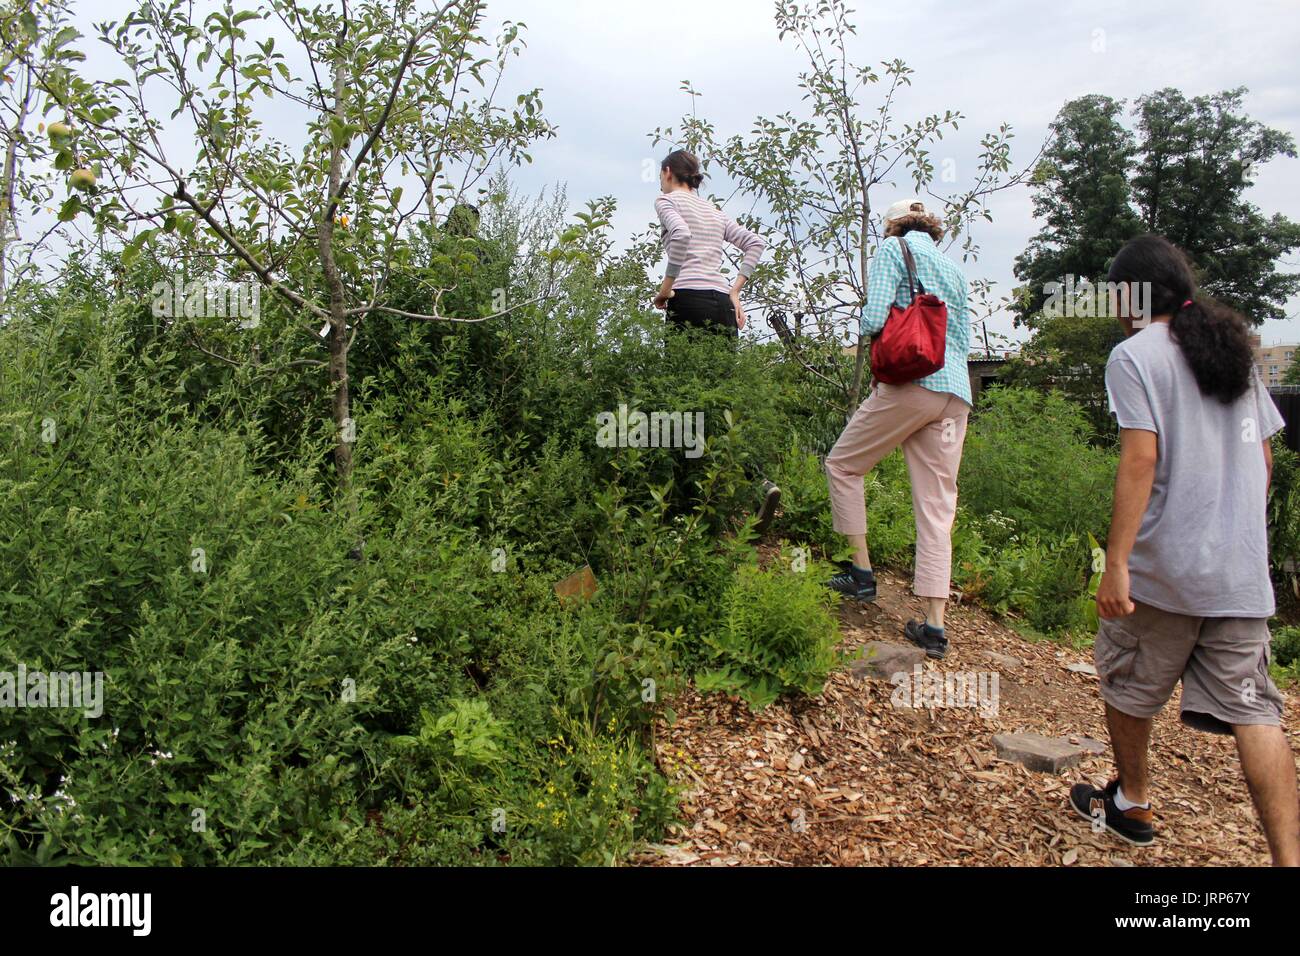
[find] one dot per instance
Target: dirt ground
(848, 779)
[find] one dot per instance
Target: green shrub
(1034, 577)
(778, 636)
(806, 507)
(666, 566)
(591, 796)
(805, 514)
(582, 796)
(1028, 457)
(1285, 664)
(1284, 522)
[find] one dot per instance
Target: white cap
(904, 207)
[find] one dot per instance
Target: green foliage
(778, 636)
(1036, 493)
(467, 733)
(1284, 521)
(591, 796)
(1286, 646)
(319, 709)
(805, 501)
(1198, 157)
(1029, 457)
(1041, 579)
(1068, 354)
(252, 671)
(1285, 664)
(1082, 195)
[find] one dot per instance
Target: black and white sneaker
(923, 636)
(853, 583)
(1098, 806)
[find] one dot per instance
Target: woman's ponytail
(1211, 336)
(1214, 341)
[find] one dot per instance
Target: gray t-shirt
(1202, 549)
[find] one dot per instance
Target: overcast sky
(610, 73)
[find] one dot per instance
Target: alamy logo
(78, 691)
(626, 429)
(197, 299)
(1087, 299)
(133, 910)
(922, 690)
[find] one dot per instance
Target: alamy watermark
(198, 299)
(923, 690)
(624, 429)
(1083, 298)
(74, 908)
(74, 690)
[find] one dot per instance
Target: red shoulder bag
(912, 343)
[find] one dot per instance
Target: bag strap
(913, 280)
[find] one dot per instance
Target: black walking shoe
(923, 636)
(767, 510)
(852, 583)
(1133, 825)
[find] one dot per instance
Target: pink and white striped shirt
(694, 233)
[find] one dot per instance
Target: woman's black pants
(703, 309)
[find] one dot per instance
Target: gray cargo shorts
(1222, 662)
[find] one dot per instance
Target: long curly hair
(916, 221)
(1212, 337)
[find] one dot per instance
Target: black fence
(1287, 400)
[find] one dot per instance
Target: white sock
(1123, 803)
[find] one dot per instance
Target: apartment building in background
(1274, 360)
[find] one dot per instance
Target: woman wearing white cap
(927, 417)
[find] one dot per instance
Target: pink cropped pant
(931, 427)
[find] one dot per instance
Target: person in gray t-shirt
(1202, 548)
(1185, 594)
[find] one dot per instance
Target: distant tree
(1183, 175)
(1292, 375)
(1082, 194)
(1197, 158)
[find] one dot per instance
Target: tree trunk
(8, 220)
(859, 367)
(338, 311)
(860, 362)
(6, 204)
(339, 380)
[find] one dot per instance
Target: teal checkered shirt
(887, 285)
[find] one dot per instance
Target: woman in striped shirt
(694, 292)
